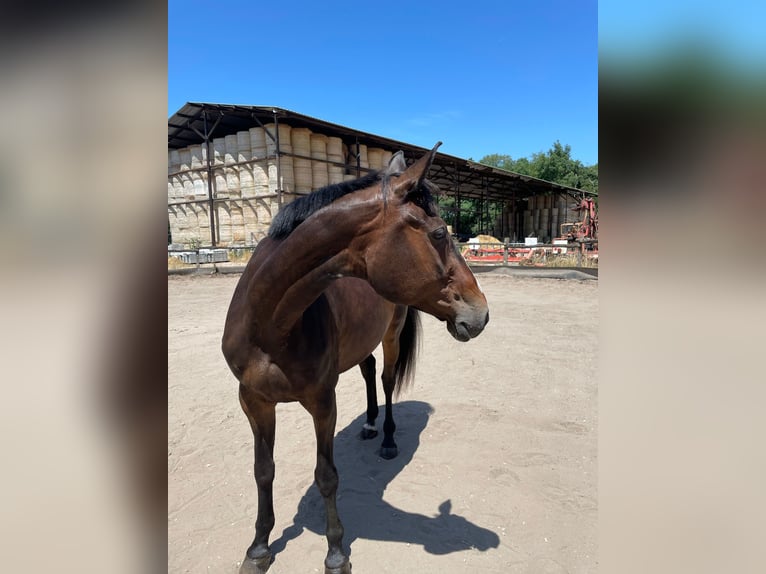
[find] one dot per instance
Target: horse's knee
(264, 473)
(326, 477)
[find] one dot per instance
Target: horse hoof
(388, 452)
(367, 434)
(256, 565)
(345, 568)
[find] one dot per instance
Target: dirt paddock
(497, 446)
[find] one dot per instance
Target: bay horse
(341, 270)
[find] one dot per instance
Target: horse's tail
(409, 345)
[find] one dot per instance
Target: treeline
(556, 165)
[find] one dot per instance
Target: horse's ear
(414, 175)
(396, 165)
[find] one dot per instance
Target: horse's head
(413, 260)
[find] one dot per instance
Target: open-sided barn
(231, 167)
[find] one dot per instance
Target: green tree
(556, 165)
(469, 214)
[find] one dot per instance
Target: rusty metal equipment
(587, 227)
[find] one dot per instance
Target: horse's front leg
(261, 416)
(324, 413)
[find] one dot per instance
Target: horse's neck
(304, 264)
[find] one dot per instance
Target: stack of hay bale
(252, 177)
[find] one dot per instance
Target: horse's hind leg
(261, 416)
(388, 449)
(391, 347)
(369, 430)
(323, 411)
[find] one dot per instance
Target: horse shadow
(364, 477)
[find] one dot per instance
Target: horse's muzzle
(466, 326)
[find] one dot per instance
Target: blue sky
(484, 77)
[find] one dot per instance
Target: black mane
(295, 213)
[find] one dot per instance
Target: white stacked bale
(375, 158)
(180, 229)
(244, 161)
(185, 156)
(283, 133)
(258, 142)
(219, 175)
(281, 177)
(320, 176)
(335, 148)
(287, 175)
(197, 158)
(174, 161)
(387, 155)
(243, 215)
(301, 141)
(173, 223)
(203, 217)
(199, 182)
(230, 159)
(250, 219)
(185, 176)
(224, 222)
(357, 155)
(301, 138)
(175, 186)
(198, 171)
(335, 174)
(335, 156)
(219, 182)
(219, 151)
(363, 157)
(192, 230)
(237, 222)
(231, 149)
(266, 209)
(259, 168)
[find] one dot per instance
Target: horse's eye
(439, 234)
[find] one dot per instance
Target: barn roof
(452, 174)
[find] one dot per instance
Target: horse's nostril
(486, 319)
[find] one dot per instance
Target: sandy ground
(497, 446)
